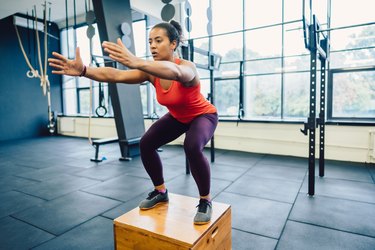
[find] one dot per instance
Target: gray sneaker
(154, 198)
(204, 212)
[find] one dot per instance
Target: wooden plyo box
(170, 227)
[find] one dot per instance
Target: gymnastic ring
(101, 111)
(30, 74)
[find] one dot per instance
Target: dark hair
(173, 29)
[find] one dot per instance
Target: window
(263, 97)
(262, 13)
(353, 94)
(267, 37)
(296, 95)
(76, 90)
(227, 97)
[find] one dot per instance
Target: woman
(177, 87)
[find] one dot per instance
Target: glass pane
(292, 10)
(359, 11)
(139, 31)
(260, 13)
(266, 66)
(293, 40)
(203, 73)
(227, 97)
(97, 45)
(354, 94)
(320, 9)
(84, 101)
(263, 42)
(69, 81)
(354, 58)
(205, 88)
(296, 95)
(297, 63)
(263, 97)
(201, 58)
(144, 98)
(226, 17)
(227, 48)
(228, 70)
(67, 43)
(83, 43)
(358, 37)
(198, 18)
(70, 101)
(202, 43)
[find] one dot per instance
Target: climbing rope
(33, 73)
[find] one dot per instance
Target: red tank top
(183, 103)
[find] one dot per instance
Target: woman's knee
(145, 143)
(192, 148)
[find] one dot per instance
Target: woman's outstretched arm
(185, 72)
(65, 66)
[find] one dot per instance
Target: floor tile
(278, 190)
(242, 240)
(96, 233)
(346, 171)
(8, 183)
(345, 215)
(255, 215)
(288, 173)
(309, 237)
(67, 212)
(344, 189)
(122, 188)
(61, 185)
(185, 185)
(14, 201)
(15, 234)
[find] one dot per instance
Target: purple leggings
(166, 129)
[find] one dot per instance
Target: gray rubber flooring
(53, 197)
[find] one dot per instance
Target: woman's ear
(174, 45)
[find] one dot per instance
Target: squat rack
(319, 49)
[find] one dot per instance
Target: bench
(129, 142)
(97, 143)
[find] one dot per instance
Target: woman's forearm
(102, 74)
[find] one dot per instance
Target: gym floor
(53, 197)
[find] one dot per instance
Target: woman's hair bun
(177, 26)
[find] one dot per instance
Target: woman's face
(160, 46)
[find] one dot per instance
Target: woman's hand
(65, 66)
(119, 53)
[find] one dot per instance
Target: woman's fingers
(55, 61)
(59, 56)
(57, 66)
(58, 72)
(120, 43)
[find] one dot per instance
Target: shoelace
(202, 206)
(152, 194)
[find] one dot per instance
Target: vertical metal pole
(312, 115)
(322, 116)
(212, 99)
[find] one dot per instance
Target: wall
(344, 143)
(23, 107)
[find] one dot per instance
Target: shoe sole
(201, 222)
(157, 204)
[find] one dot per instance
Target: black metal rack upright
(319, 50)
